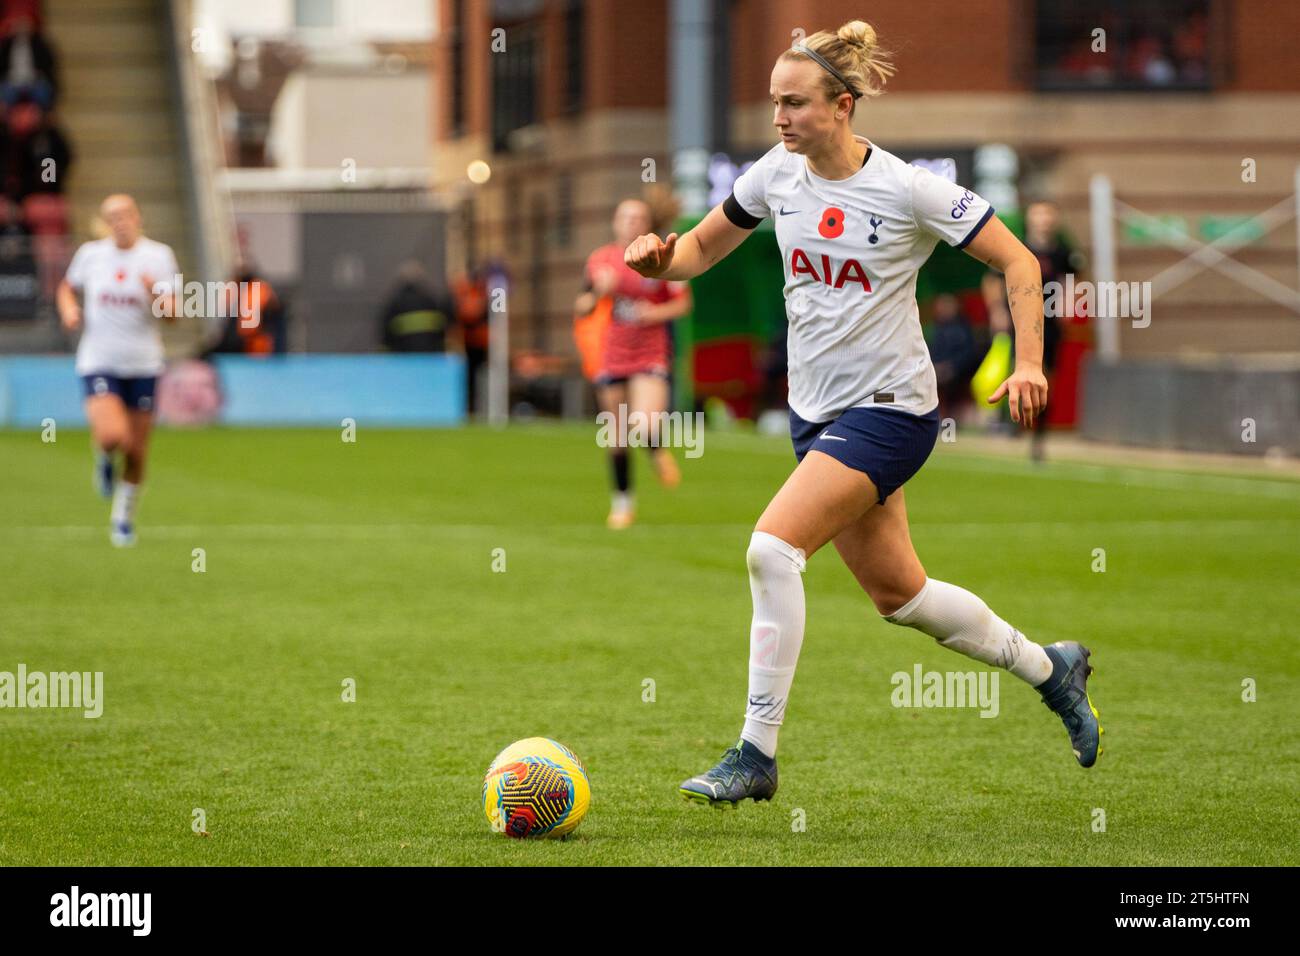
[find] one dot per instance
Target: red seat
(46, 214)
(9, 9)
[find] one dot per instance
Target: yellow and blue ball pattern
(536, 787)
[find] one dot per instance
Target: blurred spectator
(11, 10)
(1148, 63)
(1191, 48)
(44, 158)
(416, 316)
(11, 221)
(27, 69)
(1155, 46)
(20, 122)
(1082, 62)
(255, 324)
(18, 279)
(953, 352)
(1056, 259)
(471, 295)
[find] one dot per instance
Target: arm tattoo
(1033, 289)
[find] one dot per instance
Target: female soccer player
(637, 353)
(125, 281)
(854, 224)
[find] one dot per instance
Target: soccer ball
(536, 787)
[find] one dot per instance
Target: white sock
(620, 502)
(124, 498)
(775, 635)
(959, 620)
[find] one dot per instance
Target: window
(564, 210)
(313, 13)
(458, 68)
(1148, 44)
(574, 59)
(514, 83)
(513, 200)
(720, 135)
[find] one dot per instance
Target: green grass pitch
(374, 561)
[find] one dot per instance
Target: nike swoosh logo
(787, 212)
(831, 437)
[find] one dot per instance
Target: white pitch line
(389, 531)
(305, 530)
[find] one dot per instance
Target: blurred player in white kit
(114, 290)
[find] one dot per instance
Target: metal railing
(210, 207)
(1105, 210)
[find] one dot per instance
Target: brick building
(1187, 90)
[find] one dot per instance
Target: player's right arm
(74, 280)
(603, 283)
(599, 282)
(69, 308)
(679, 259)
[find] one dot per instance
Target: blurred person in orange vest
(254, 317)
(470, 293)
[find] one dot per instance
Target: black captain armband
(736, 213)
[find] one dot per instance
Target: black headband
(814, 55)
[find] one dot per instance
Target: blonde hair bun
(858, 33)
(855, 54)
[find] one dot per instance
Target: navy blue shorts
(888, 445)
(135, 393)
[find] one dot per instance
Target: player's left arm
(163, 292)
(649, 313)
(1026, 388)
(162, 303)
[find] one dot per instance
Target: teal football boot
(743, 772)
(1066, 693)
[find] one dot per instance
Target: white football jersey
(852, 249)
(119, 333)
